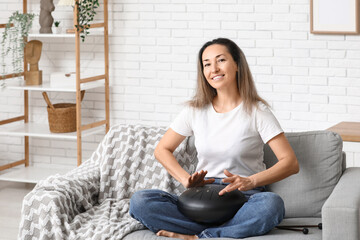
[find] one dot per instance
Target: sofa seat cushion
(275, 234)
(320, 158)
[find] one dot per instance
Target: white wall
(311, 81)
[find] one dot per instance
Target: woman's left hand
(236, 182)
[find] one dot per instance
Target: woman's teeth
(217, 77)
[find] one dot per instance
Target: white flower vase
(56, 30)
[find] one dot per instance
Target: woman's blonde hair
(205, 93)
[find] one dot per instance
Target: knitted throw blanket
(92, 201)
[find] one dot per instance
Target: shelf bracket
(11, 165)
(93, 125)
(10, 120)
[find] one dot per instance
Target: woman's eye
(207, 65)
(222, 60)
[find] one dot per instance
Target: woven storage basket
(61, 116)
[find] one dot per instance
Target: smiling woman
(231, 124)
(228, 51)
(220, 72)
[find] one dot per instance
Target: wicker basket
(61, 116)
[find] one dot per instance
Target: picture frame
(334, 17)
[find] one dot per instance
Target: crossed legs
(157, 210)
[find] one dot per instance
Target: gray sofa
(91, 202)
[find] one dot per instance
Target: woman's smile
(218, 77)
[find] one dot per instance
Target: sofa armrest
(54, 202)
(341, 213)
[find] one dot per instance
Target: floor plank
(11, 196)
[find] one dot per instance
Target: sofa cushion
(320, 158)
(275, 234)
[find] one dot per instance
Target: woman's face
(219, 67)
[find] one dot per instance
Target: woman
(230, 123)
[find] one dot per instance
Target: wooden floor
(11, 196)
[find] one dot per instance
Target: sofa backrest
(321, 159)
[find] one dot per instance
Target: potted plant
(12, 44)
(86, 14)
(56, 29)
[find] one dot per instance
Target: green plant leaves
(86, 14)
(13, 40)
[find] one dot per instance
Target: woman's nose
(214, 68)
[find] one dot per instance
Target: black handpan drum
(205, 205)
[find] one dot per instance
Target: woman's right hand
(197, 179)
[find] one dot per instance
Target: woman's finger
(229, 179)
(203, 174)
(228, 188)
(193, 177)
(227, 173)
(200, 181)
(196, 178)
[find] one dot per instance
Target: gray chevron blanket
(92, 201)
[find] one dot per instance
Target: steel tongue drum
(205, 205)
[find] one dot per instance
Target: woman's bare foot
(176, 235)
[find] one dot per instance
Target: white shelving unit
(50, 35)
(42, 130)
(33, 174)
(96, 33)
(46, 87)
(21, 127)
(30, 174)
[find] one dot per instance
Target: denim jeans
(157, 210)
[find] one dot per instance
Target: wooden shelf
(30, 174)
(61, 35)
(93, 32)
(349, 131)
(51, 35)
(42, 131)
(46, 87)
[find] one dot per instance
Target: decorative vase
(56, 30)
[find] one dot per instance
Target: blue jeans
(157, 210)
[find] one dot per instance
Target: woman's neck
(226, 102)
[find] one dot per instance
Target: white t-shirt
(233, 140)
